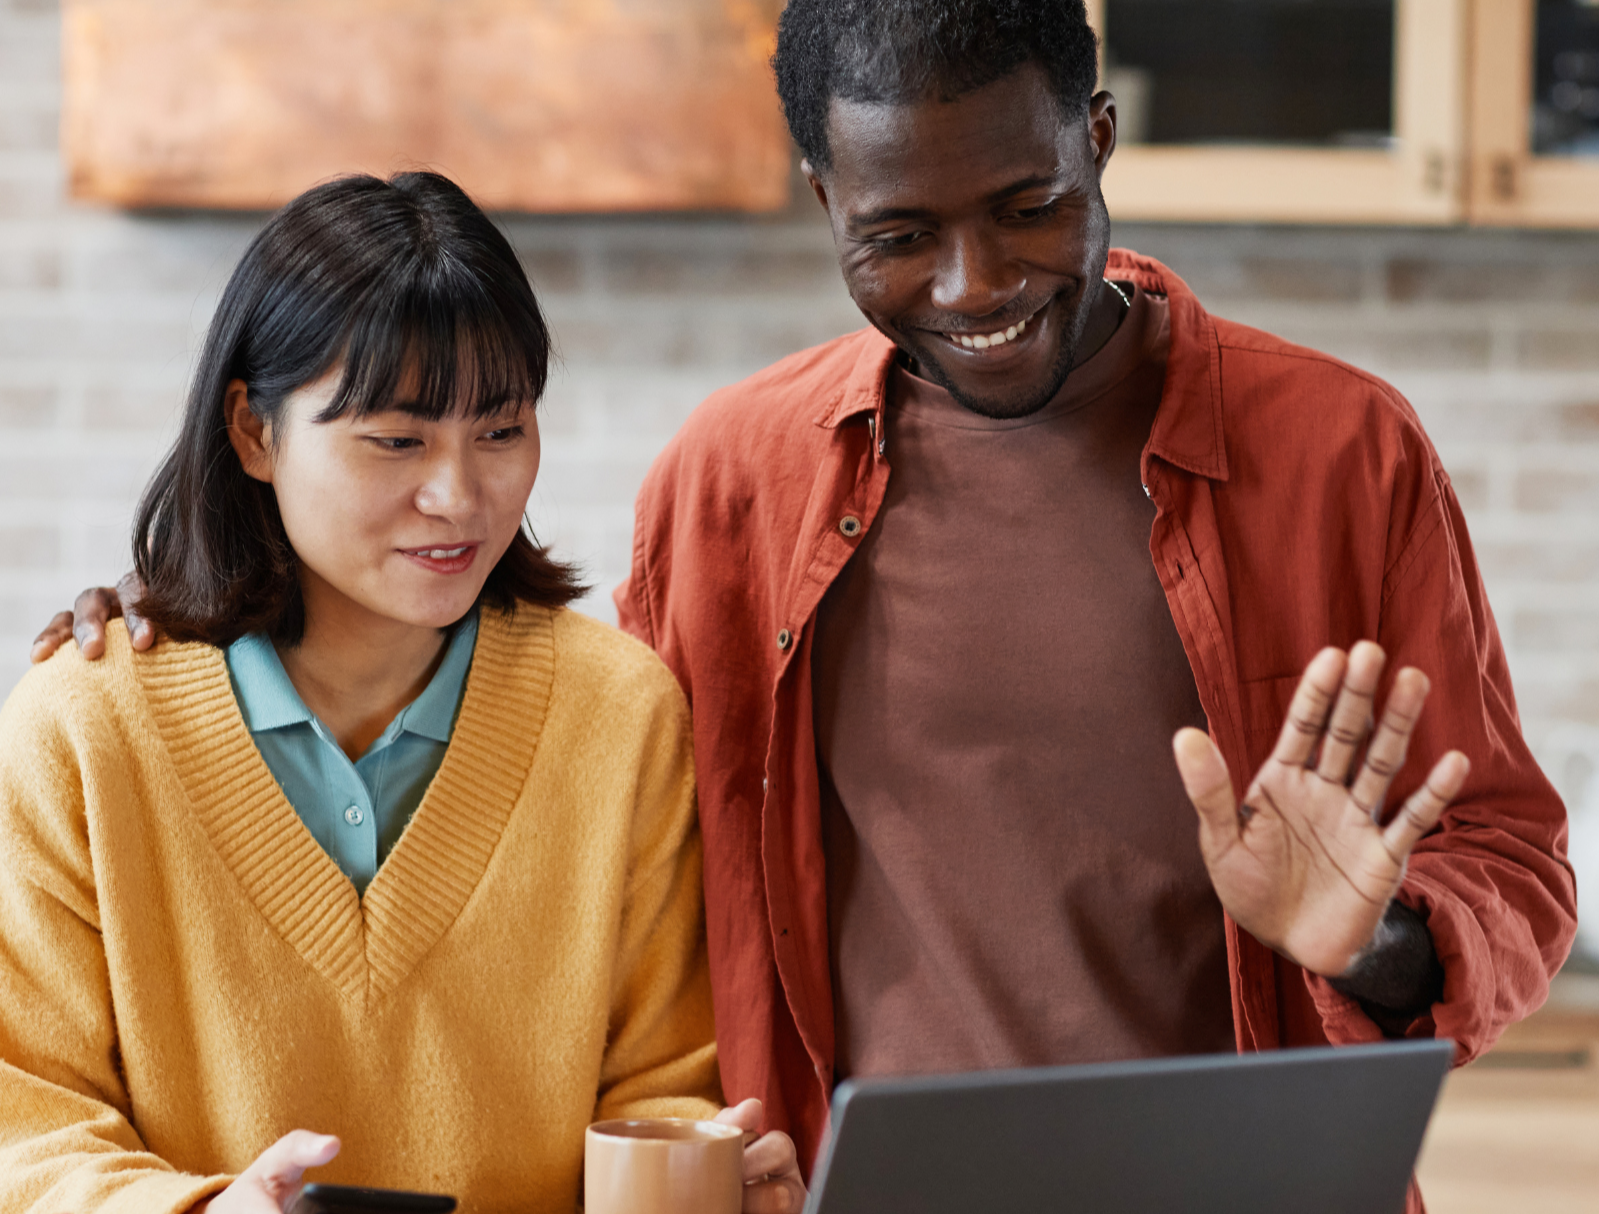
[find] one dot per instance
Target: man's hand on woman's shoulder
(86, 622)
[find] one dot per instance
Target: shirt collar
(432, 714)
(1188, 427)
(267, 698)
(866, 389)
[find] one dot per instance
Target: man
(941, 593)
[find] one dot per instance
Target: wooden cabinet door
(1415, 176)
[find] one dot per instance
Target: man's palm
(1304, 864)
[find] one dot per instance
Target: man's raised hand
(1305, 864)
(93, 610)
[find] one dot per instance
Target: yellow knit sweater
(185, 975)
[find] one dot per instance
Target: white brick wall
(1493, 336)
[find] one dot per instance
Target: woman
(381, 839)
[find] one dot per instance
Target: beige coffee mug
(663, 1165)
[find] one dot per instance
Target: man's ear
(247, 432)
(814, 180)
(1102, 129)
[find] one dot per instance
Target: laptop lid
(1314, 1131)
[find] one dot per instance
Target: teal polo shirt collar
(268, 700)
(358, 810)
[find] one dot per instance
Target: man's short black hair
(898, 51)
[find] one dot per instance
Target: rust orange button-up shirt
(1298, 504)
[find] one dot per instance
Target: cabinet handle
(1502, 178)
(1435, 172)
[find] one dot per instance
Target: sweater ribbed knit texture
(185, 975)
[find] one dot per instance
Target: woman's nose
(448, 491)
(975, 277)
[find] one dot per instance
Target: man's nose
(975, 276)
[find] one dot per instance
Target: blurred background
(1412, 185)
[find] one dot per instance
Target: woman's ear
(247, 432)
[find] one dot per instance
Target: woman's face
(390, 513)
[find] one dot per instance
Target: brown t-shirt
(1014, 875)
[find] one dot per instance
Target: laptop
(1309, 1131)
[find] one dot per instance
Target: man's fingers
(1386, 754)
(1205, 779)
(56, 634)
(90, 614)
(1307, 713)
(130, 590)
(140, 631)
(1351, 715)
(1420, 813)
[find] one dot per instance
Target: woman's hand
(772, 1182)
(272, 1182)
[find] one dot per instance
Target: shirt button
(354, 816)
(850, 526)
(784, 639)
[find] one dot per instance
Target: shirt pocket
(1265, 707)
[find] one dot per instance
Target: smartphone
(341, 1199)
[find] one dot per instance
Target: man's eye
(504, 434)
(1037, 212)
(897, 242)
(403, 443)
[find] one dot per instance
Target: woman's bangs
(440, 358)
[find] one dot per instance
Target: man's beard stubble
(1005, 410)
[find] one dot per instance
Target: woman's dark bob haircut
(388, 279)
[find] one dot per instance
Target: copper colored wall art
(532, 105)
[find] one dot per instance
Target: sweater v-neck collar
(364, 946)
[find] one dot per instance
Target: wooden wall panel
(532, 105)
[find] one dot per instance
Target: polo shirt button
(784, 639)
(354, 816)
(850, 526)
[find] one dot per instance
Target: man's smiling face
(972, 232)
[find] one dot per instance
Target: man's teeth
(442, 554)
(983, 341)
